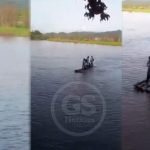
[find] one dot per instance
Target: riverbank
(110, 43)
(112, 38)
(14, 31)
(139, 10)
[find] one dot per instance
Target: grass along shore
(145, 8)
(110, 43)
(140, 10)
(14, 31)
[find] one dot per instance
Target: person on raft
(148, 71)
(86, 63)
(91, 61)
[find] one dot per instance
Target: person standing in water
(88, 63)
(91, 61)
(84, 64)
(148, 71)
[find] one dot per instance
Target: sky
(68, 16)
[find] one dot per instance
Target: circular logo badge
(78, 108)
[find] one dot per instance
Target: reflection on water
(136, 106)
(14, 93)
(53, 66)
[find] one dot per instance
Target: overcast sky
(68, 16)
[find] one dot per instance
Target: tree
(96, 7)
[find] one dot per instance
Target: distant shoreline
(112, 38)
(136, 7)
(14, 31)
(109, 43)
(138, 10)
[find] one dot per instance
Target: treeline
(13, 16)
(136, 4)
(37, 35)
(114, 36)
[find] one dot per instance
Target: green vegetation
(112, 43)
(14, 20)
(136, 9)
(14, 31)
(112, 38)
(136, 6)
(37, 35)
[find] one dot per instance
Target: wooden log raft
(83, 70)
(142, 86)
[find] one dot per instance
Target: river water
(14, 93)
(53, 67)
(136, 106)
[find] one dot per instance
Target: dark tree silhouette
(96, 7)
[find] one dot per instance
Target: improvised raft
(142, 86)
(86, 65)
(82, 70)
